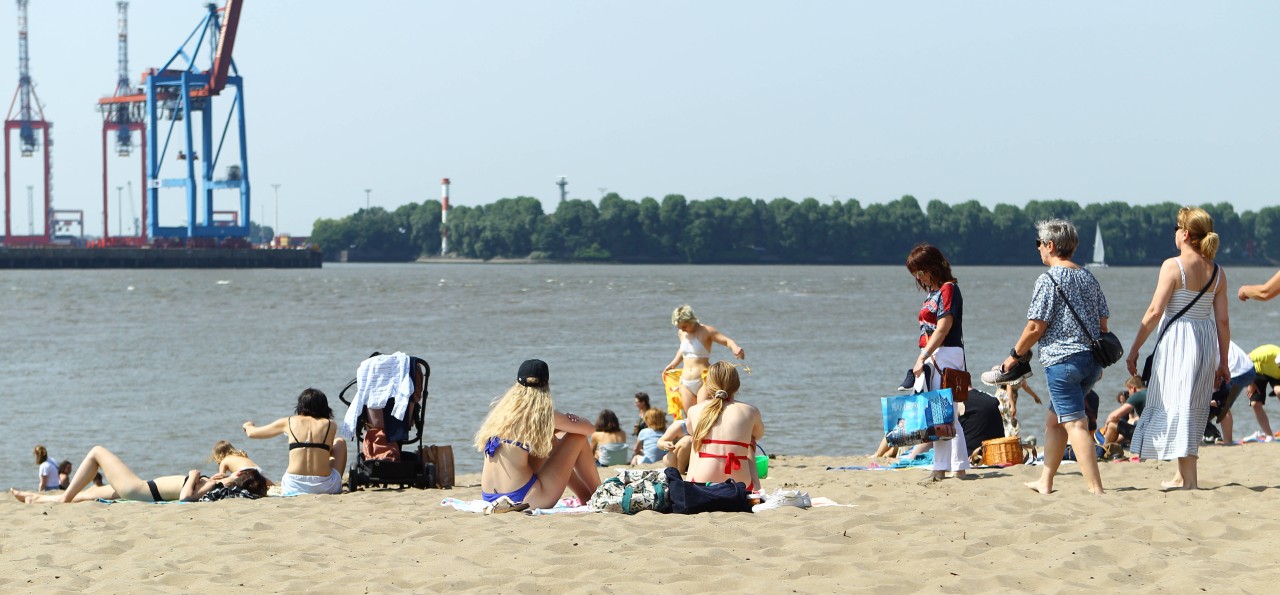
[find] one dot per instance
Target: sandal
(504, 504)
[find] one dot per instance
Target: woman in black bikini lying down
(122, 482)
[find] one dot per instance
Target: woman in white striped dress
(1191, 359)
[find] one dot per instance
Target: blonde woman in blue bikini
(694, 354)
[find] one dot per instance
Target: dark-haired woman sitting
(316, 455)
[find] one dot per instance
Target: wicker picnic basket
(1002, 451)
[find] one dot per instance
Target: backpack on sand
(631, 491)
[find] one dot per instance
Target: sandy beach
(977, 535)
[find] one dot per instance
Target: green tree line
(745, 230)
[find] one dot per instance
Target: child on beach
(47, 475)
(231, 459)
(647, 451)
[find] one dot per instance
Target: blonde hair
(1134, 382)
(524, 414)
(655, 419)
(683, 314)
(722, 384)
(42, 455)
(1199, 226)
(223, 449)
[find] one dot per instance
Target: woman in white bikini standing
(694, 353)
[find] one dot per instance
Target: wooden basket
(1002, 451)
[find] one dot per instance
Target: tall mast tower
(28, 119)
(122, 116)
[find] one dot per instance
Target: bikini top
(491, 446)
(296, 444)
(693, 348)
(732, 462)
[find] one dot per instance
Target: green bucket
(762, 463)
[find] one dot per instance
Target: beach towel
(564, 506)
(378, 380)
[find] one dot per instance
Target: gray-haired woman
(1065, 352)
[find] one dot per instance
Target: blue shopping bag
(920, 417)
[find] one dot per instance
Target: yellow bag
(671, 385)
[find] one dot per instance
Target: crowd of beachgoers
(533, 454)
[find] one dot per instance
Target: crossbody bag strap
(1068, 303)
(1188, 306)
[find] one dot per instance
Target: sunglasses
(1040, 243)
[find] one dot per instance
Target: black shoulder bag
(1106, 349)
(1146, 366)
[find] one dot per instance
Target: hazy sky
(1000, 101)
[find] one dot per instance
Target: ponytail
(722, 383)
(1209, 245)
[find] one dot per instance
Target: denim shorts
(1069, 381)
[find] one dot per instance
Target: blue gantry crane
(181, 93)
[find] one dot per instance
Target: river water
(159, 364)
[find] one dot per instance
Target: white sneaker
(1258, 436)
(780, 498)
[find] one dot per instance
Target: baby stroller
(385, 457)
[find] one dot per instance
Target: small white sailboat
(1099, 253)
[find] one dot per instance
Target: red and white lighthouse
(444, 216)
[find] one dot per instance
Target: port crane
(27, 117)
(123, 119)
(181, 93)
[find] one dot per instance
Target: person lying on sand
(231, 459)
(122, 482)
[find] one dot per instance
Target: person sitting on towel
(524, 461)
(609, 442)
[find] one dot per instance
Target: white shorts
(292, 485)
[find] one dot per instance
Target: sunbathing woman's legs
(570, 465)
(119, 478)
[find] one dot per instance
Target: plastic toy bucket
(762, 463)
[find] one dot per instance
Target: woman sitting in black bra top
(316, 455)
(122, 482)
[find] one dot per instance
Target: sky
(1002, 102)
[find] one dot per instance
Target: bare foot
(938, 475)
(1040, 486)
(1172, 484)
(964, 475)
(23, 497)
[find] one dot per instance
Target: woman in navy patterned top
(941, 343)
(1064, 349)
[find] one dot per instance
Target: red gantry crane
(123, 119)
(33, 135)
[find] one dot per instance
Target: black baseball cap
(534, 373)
